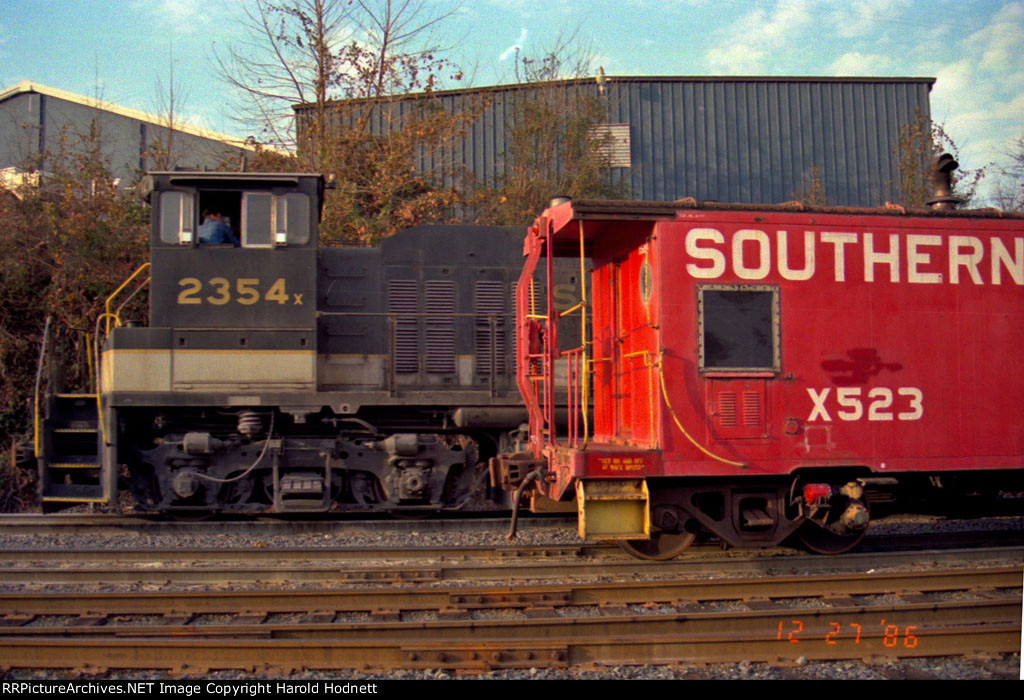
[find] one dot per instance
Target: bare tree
(361, 75)
(554, 141)
(285, 59)
(1008, 191)
(164, 151)
(311, 52)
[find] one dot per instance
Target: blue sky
(120, 51)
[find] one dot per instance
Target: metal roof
(28, 86)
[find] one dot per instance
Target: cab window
(177, 217)
(274, 219)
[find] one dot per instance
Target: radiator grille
(440, 326)
(402, 298)
(490, 299)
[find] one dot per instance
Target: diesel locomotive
(275, 375)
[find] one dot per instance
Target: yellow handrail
(117, 291)
(675, 418)
(106, 318)
(39, 379)
(585, 381)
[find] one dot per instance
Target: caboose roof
(568, 217)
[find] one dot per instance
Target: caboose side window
(738, 328)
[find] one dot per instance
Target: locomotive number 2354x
(245, 291)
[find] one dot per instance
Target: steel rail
(263, 567)
(816, 622)
(262, 555)
(408, 598)
(576, 647)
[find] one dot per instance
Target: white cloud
(866, 18)
(736, 58)
(750, 43)
(517, 46)
(180, 16)
(1001, 42)
(868, 64)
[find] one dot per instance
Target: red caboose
(760, 371)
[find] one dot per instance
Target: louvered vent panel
(402, 298)
(727, 409)
(440, 326)
(753, 415)
(490, 299)
(740, 407)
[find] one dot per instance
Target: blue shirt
(213, 232)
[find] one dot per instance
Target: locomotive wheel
(662, 546)
(821, 541)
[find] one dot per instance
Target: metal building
(728, 139)
(36, 121)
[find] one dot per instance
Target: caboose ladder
(70, 457)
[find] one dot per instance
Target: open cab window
(256, 219)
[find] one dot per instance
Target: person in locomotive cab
(215, 230)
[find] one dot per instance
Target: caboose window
(739, 328)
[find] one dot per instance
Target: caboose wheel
(662, 546)
(822, 541)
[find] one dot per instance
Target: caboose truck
(763, 371)
(279, 376)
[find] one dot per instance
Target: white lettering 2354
(880, 400)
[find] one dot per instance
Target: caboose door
(634, 350)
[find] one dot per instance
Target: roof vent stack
(940, 174)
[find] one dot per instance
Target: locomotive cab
(226, 318)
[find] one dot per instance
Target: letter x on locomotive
(762, 371)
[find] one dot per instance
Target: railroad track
(303, 566)
(552, 626)
(486, 607)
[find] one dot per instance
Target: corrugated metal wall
(34, 124)
(756, 140)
